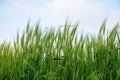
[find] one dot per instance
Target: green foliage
(61, 55)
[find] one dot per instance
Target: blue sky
(14, 14)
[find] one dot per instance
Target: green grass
(61, 55)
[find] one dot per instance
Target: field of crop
(61, 55)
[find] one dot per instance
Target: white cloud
(63, 8)
(76, 8)
(90, 14)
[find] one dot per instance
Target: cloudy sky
(14, 14)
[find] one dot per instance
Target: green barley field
(61, 54)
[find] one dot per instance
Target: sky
(14, 14)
